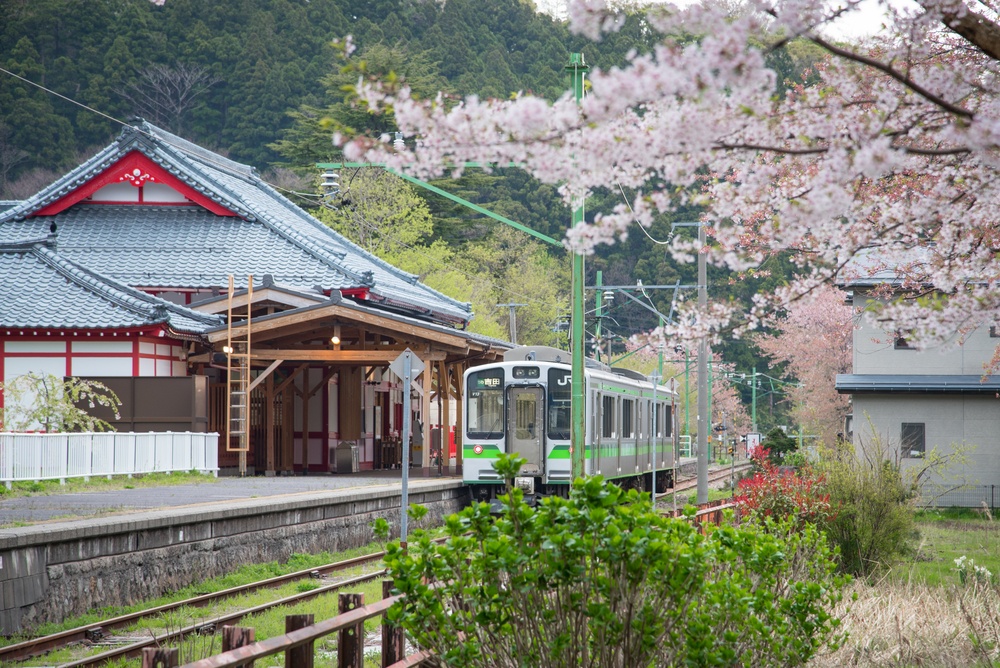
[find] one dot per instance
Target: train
(522, 406)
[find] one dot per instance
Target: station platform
(19, 511)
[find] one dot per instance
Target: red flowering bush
(779, 492)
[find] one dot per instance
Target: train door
(525, 428)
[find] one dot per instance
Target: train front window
(560, 396)
(485, 404)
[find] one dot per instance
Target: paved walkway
(31, 509)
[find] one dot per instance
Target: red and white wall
(117, 353)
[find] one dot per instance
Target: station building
(210, 302)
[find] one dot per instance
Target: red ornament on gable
(136, 169)
(136, 177)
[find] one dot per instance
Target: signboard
(753, 443)
(416, 365)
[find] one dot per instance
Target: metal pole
(577, 69)
(703, 421)
(753, 402)
(405, 501)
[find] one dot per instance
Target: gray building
(910, 403)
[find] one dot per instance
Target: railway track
(719, 475)
(95, 632)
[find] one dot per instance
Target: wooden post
(270, 458)
(425, 415)
(153, 657)
(446, 421)
(305, 422)
(237, 636)
(300, 657)
(393, 648)
(351, 641)
(459, 419)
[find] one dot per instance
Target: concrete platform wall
(53, 571)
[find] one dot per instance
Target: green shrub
(599, 580)
(874, 525)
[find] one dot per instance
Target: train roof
(557, 356)
(548, 354)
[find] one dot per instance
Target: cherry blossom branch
(904, 79)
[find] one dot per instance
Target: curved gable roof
(267, 235)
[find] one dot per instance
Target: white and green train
(522, 406)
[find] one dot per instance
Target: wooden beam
(291, 377)
(267, 372)
(339, 356)
(394, 327)
(327, 375)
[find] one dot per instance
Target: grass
(946, 535)
(921, 613)
(103, 484)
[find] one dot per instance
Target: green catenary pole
(577, 70)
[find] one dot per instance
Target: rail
(35, 457)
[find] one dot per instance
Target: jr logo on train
(522, 406)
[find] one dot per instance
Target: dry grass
(916, 625)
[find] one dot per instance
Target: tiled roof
(41, 289)
(884, 265)
(189, 247)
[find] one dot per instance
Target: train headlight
(478, 449)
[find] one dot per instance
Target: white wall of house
(972, 421)
(875, 351)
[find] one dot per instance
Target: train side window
(607, 416)
(628, 418)
(559, 404)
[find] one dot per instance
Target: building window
(900, 342)
(912, 439)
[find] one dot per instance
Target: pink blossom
(895, 149)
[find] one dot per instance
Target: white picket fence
(34, 457)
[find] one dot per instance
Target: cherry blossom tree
(814, 341)
(888, 161)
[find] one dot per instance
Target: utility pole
(703, 421)
(578, 428)
(753, 401)
(513, 321)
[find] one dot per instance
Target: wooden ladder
(238, 375)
